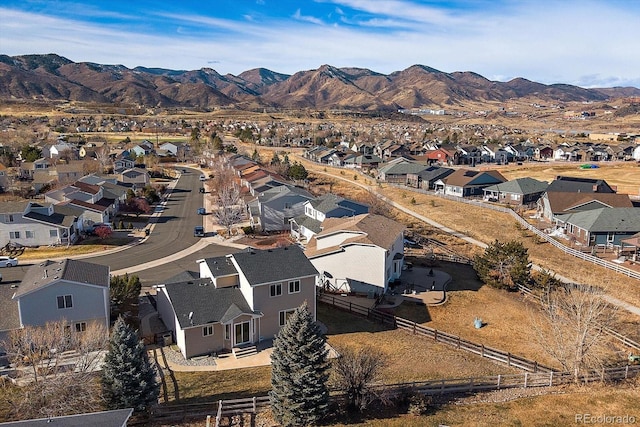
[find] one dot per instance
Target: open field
(624, 175)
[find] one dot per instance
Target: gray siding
(89, 303)
(22, 225)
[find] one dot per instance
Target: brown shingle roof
(560, 201)
(368, 229)
(462, 177)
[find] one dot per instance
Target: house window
(227, 332)
(294, 287)
(65, 301)
(275, 290)
(29, 234)
(53, 233)
(284, 315)
(207, 330)
(81, 326)
(14, 234)
(9, 218)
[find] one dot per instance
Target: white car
(203, 178)
(6, 261)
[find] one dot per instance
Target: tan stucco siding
(271, 306)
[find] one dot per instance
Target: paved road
(172, 231)
(172, 234)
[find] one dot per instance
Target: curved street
(170, 248)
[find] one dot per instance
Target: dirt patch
(265, 242)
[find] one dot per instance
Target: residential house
(438, 156)
(74, 290)
(396, 171)
(365, 162)
(122, 164)
(553, 203)
(543, 152)
(519, 192)
(136, 177)
(467, 182)
(361, 254)
(33, 224)
(600, 227)
(4, 178)
(28, 169)
(305, 226)
(59, 149)
(571, 184)
(142, 149)
(427, 178)
(272, 209)
(240, 299)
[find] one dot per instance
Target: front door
(242, 333)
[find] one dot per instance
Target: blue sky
(591, 43)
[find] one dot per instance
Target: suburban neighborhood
(225, 267)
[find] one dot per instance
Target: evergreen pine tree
(128, 379)
(299, 371)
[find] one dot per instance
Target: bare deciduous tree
(572, 329)
(229, 211)
(355, 372)
(103, 158)
(58, 362)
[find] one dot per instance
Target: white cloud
(585, 43)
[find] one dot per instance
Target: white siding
(362, 263)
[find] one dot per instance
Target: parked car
(202, 189)
(198, 231)
(203, 178)
(202, 211)
(7, 261)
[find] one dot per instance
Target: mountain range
(53, 77)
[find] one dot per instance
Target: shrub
(419, 404)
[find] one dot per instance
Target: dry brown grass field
(624, 175)
(486, 226)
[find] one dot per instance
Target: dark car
(198, 231)
(202, 211)
(201, 189)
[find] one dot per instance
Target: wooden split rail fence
(429, 388)
(623, 339)
(499, 356)
(576, 253)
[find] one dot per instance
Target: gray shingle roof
(207, 303)
(47, 272)
(221, 266)
(10, 318)
(330, 202)
(520, 186)
(274, 265)
(115, 418)
(605, 219)
(56, 219)
(309, 223)
(579, 185)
